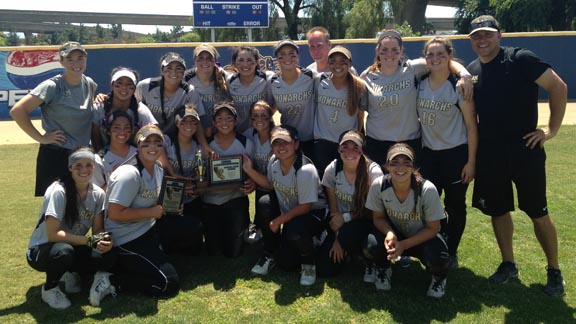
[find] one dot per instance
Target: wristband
(465, 74)
(347, 217)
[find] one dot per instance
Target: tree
(519, 15)
(190, 37)
(175, 33)
(13, 39)
(330, 15)
(291, 9)
(3, 40)
(359, 26)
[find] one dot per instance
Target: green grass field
(220, 290)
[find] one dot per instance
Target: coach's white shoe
(55, 298)
(72, 282)
(101, 287)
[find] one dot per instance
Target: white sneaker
(437, 287)
(383, 279)
(55, 298)
(252, 234)
(264, 265)
(72, 282)
(101, 287)
(370, 273)
(308, 275)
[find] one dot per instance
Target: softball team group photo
(366, 168)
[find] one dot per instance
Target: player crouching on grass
(59, 245)
(299, 212)
(407, 211)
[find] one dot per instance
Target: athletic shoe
(404, 262)
(317, 240)
(454, 262)
(308, 275)
(72, 282)
(55, 298)
(370, 273)
(555, 284)
(384, 279)
(252, 234)
(101, 287)
(506, 271)
(263, 266)
(437, 287)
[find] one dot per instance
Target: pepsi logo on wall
(26, 69)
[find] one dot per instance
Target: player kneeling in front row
(406, 212)
(59, 245)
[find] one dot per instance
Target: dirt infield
(10, 133)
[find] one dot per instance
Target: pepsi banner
(22, 69)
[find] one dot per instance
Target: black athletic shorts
(501, 163)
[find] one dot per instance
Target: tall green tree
(330, 15)
(380, 15)
(519, 15)
(291, 10)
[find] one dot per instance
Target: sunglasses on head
(485, 23)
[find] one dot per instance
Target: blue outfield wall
(22, 68)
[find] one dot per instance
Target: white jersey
(332, 118)
(148, 92)
(183, 164)
(407, 218)
(262, 151)
(133, 189)
(392, 103)
(110, 161)
(54, 205)
(145, 117)
(241, 145)
(207, 94)
(245, 95)
(296, 187)
(343, 189)
(440, 116)
(67, 108)
(296, 102)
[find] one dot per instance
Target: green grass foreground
(220, 290)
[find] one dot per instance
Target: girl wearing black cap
(298, 214)
(406, 212)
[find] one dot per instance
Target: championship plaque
(223, 173)
(171, 194)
